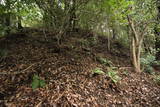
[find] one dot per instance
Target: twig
(17, 72)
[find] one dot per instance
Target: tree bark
(19, 23)
(157, 32)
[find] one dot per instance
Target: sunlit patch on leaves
(37, 82)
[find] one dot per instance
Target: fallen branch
(17, 72)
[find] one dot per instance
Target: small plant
(157, 79)
(92, 41)
(104, 61)
(113, 75)
(84, 42)
(98, 71)
(37, 82)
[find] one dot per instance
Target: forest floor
(67, 71)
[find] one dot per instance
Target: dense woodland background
(56, 50)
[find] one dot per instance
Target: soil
(67, 71)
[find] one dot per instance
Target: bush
(147, 63)
(148, 60)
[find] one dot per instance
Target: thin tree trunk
(137, 40)
(157, 33)
(134, 56)
(19, 23)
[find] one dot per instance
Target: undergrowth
(104, 61)
(111, 73)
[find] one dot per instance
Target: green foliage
(147, 63)
(2, 30)
(97, 71)
(157, 79)
(92, 41)
(149, 69)
(156, 63)
(37, 82)
(148, 60)
(83, 42)
(113, 75)
(104, 61)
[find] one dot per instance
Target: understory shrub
(111, 73)
(147, 62)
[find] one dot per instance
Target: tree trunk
(8, 23)
(137, 41)
(8, 17)
(136, 50)
(19, 23)
(72, 19)
(157, 33)
(114, 34)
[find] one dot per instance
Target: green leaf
(98, 71)
(35, 84)
(42, 83)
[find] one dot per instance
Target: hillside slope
(67, 71)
